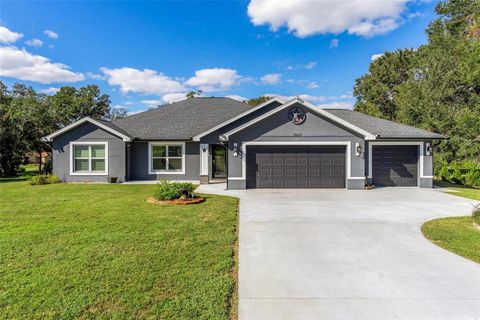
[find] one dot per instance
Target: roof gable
(107, 126)
(312, 108)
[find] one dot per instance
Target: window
(89, 158)
(167, 158)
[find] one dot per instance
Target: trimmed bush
(166, 190)
(44, 179)
(476, 213)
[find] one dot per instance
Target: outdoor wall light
(235, 150)
(204, 149)
(358, 149)
(428, 149)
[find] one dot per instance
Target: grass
(456, 234)
(85, 251)
(29, 170)
(460, 190)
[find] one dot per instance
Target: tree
(192, 94)
(435, 87)
(27, 116)
(70, 104)
(117, 112)
(259, 100)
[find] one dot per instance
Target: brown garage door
(395, 165)
(296, 167)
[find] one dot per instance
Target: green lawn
(101, 252)
(29, 170)
(456, 234)
(459, 190)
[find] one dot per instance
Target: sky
(144, 54)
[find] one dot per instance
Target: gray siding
(278, 128)
(138, 164)
(91, 133)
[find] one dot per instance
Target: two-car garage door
(296, 167)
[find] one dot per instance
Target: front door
(219, 158)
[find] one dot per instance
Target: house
(278, 144)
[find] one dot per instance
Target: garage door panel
(296, 167)
(395, 165)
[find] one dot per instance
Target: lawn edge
(437, 244)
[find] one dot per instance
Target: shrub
(476, 213)
(54, 179)
(44, 179)
(166, 190)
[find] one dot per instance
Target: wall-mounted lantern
(358, 149)
(428, 149)
(235, 150)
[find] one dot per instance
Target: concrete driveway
(338, 254)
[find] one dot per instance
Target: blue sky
(148, 53)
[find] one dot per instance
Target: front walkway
(338, 254)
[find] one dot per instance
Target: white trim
(165, 143)
(89, 173)
(266, 103)
(204, 158)
(311, 107)
(348, 158)
(81, 121)
(420, 165)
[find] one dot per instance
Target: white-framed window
(166, 157)
(88, 158)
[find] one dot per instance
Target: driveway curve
(338, 254)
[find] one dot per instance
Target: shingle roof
(381, 127)
(111, 125)
(181, 120)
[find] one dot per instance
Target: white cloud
(215, 79)
(337, 105)
(131, 113)
(312, 85)
(306, 18)
(306, 97)
(152, 102)
(141, 81)
(236, 97)
(95, 76)
(7, 36)
(174, 97)
(310, 65)
(334, 43)
(51, 90)
(376, 56)
(34, 43)
(51, 34)
(21, 64)
(271, 78)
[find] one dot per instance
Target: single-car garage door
(296, 167)
(395, 165)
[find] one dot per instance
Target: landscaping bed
(101, 251)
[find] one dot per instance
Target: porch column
(204, 163)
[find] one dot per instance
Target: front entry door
(219, 158)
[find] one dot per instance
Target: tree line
(26, 116)
(436, 86)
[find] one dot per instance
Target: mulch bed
(188, 201)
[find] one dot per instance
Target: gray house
(278, 144)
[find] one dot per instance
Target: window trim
(89, 173)
(166, 144)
